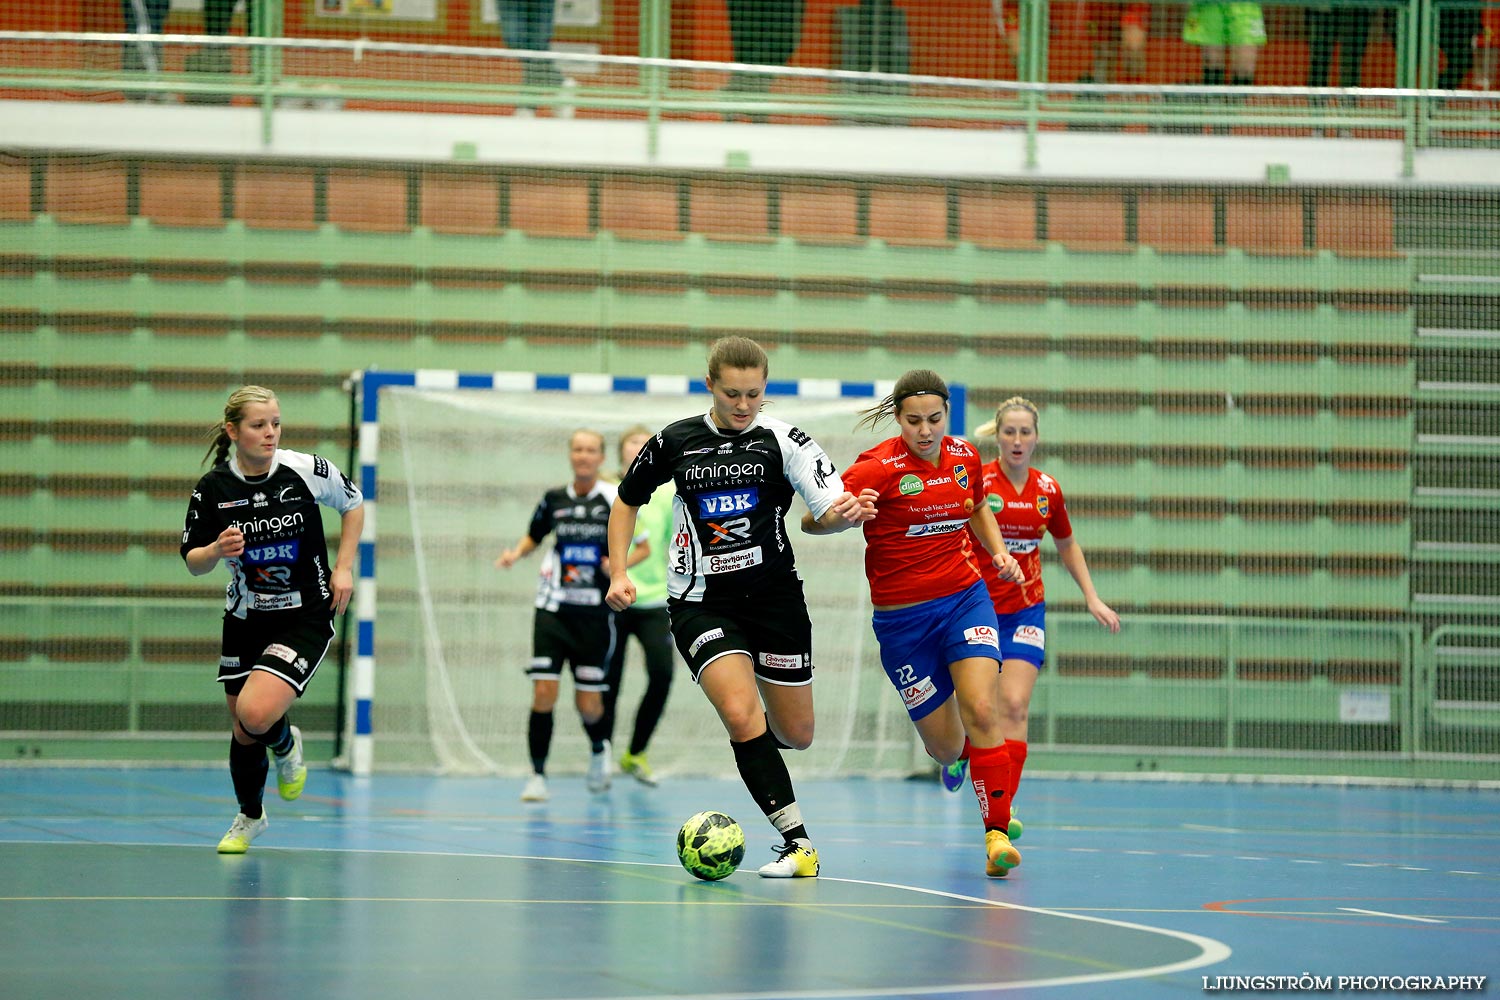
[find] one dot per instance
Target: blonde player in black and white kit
(258, 512)
(572, 626)
(738, 613)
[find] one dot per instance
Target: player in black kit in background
(572, 624)
(259, 513)
(738, 614)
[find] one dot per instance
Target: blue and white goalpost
(452, 463)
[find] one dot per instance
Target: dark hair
(234, 412)
(736, 352)
(917, 382)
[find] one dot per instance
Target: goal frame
(367, 387)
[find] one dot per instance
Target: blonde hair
(989, 428)
(736, 352)
(634, 430)
(917, 382)
(586, 430)
(234, 412)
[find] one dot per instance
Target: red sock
(1017, 751)
(989, 770)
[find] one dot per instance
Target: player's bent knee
(255, 720)
(794, 737)
(944, 754)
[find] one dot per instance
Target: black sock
(1242, 80)
(278, 738)
(1213, 76)
(598, 732)
(769, 783)
(539, 739)
(247, 769)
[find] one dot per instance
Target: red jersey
(1024, 516)
(917, 548)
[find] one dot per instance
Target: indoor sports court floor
(450, 887)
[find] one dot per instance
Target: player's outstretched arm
(1071, 555)
(519, 551)
(845, 512)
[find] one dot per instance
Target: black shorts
(772, 628)
(582, 639)
(289, 646)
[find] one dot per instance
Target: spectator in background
(1230, 35)
(217, 17)
(1348, 27)
(1117, 39)
(763, 33)
(1488, 44)
(144, 17)
(527, 24)
(1457, 28)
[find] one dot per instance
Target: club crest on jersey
(1041, 505)
(733, 502)
(910, 485)
(961, 476)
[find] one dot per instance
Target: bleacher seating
(1225, 375)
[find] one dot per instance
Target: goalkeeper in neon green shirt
(646, 619)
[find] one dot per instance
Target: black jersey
(573, 572)
(285, 563)
(733, 492)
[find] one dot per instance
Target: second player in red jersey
(933, 618)
(1027, 504)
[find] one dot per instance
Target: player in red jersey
(1027, 503)
(933, 618)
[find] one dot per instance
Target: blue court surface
(450, 887)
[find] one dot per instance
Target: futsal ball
(711, 846)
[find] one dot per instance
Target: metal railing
(656, 90)
(1240, 677)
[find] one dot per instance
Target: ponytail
(218, 448)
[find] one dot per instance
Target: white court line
(1393, 916)
(1210, 951)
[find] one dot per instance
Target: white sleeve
(808, 468)
(329, 486)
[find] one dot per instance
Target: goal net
(458, 473)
